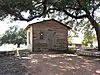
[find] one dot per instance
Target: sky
(4, 25)
(7, 22)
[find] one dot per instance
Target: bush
(71, 50)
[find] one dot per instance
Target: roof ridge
(46, 21)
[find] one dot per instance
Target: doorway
(51, 40)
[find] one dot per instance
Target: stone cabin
(47, 35)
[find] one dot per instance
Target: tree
(89, 34)
(13, 36)
(89, 37)
(77, 9)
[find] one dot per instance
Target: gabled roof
(46, 21)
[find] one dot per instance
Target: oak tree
(13, 35)
(77, 9)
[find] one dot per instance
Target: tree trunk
(18, 45)
(96, 27)
(98, 36)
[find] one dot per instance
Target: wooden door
(51, 40)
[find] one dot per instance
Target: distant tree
(13, 35)
(89, 37)
(70, 40)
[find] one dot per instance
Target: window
(29, 37)
(41, 35)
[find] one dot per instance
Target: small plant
(71, 50)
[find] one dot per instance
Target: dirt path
(50, 64)
(10, 65)
(62, 64)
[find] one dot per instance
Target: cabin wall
(54, 36)
(29, 38)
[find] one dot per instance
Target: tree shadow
(11, 65)
(62, 64)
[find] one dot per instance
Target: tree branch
(73, 8)
(73, 16)
(18, 15)
(97, 6)
(44, 12)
